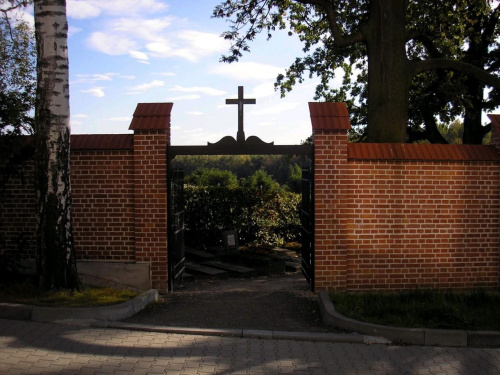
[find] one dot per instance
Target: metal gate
(306, 225)
(176, 226)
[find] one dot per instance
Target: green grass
(26, 292)
(472, 310)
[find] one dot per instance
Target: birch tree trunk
(56, 263)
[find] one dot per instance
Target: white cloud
(147, 86)
(194, 113)
(86, 78)
(96, 91)
(204, 90)
(138, 55)
(199, 44)
(127, 77)
(274, 110)
(120, 36)
(82, 9)
(79, 115)
(72, 30)
(247, 71)
(111, 44)
(184, 97)
(263, 90)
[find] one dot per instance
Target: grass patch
(26, 292)
(472, 310)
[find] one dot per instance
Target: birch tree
(56, 263)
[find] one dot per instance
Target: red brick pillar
(330, 122)
(151, 126)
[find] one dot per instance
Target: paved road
(38, 348)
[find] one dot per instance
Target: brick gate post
(330, 122)
(151, 126)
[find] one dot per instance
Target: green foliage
(418, 308)
(243, 166)
(212, 177)
(452, 43)
(17, 96)
(262, 216)
(453, 132)
(17, 78)
(295, 179)
(260, 180)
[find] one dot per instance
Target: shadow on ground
(281, 303)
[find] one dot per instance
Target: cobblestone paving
(37, 348)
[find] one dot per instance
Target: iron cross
(240, 137)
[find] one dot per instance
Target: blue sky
(124, 52)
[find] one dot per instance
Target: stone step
(198, 255)
(231, 268)
(203, 270)
(285, 252)
(217, 250)
(292, 267)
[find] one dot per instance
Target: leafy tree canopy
(405, 63)
(17, 77)
(212, 177)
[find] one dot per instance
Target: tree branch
(427, 41)
(339, 38)
(458, 66)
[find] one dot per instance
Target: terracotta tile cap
(329, 116)
(151, 116)
(102, 142)
(421, 152)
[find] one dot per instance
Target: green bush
(212, 177)
(259, 215)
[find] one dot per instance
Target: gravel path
(282, 303)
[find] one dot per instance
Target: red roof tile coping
(421, 152)
(329, 116)
(102, 142)
(151, 116)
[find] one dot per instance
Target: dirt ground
(282, 303)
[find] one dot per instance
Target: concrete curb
(63, 314)
(413, 336)
(248, 333)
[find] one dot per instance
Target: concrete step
(231, 268)
(203, 270)
(292, 267)
(198, 255)
(187, 277)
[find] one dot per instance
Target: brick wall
(119, 196)
(402, 216)
(103, 204)
(102, 183)
(17, 215)
(427, 224)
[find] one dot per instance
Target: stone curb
(62, 314)
(247, 333)
(413, 336)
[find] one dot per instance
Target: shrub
(259, 216)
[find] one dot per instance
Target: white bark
(55, 255)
